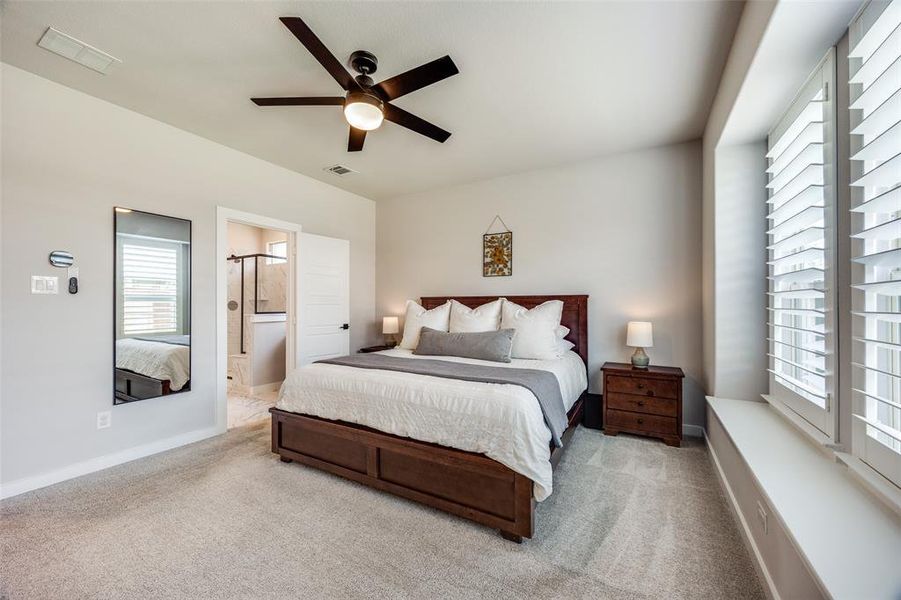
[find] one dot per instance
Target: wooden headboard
(575, 313)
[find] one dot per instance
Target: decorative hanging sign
(497, 251)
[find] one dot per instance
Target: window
(276, 249)
(149, 287)
(875, 95)
(801, 214)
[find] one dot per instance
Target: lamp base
(640, 360)
(390, 340)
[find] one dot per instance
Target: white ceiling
(540, 84)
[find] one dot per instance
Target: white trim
(225, 215)
(811, 432)
(279, 318)
(695, 431)
(872, 480)
(743, 528)
(27, 484)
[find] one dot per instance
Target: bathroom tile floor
(246, 409)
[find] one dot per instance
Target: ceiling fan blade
(300, 101)
(414, 123)
(355, 139)
(320, 52)
(418, 78)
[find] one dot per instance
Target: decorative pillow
(562, 331)
(564, 346)
(483, 318)
(536, 329)
(417, 317)
(483, 345)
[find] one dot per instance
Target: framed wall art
(497, 251)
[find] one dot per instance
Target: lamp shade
(639, 334)
(390, 325)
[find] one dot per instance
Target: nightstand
(375, 349)
(643, 401)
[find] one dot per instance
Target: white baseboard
(27, 484)
(693, 431)
(743, 528)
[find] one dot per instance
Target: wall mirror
(152, 315)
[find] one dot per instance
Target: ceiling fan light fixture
(363, 111)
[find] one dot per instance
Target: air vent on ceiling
(339, 170)
(76, 50)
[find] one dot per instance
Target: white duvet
(155, 359)
(501, 421)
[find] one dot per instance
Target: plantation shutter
(875, 86)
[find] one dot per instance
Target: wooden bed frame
(131, 386)
(462, 483)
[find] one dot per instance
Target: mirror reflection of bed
(257, 275)
(153, 305)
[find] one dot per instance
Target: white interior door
(324, 320)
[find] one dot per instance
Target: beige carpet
(223, 518)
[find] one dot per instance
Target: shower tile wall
(244, 240)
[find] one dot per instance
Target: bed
(149, 367)
(357, 424)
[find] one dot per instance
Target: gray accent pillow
(495, 346)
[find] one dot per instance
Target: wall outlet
(104, 419)
(44, 285)
(761, 514)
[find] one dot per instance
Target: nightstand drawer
(643, 404)
(637, 422)
(642, 387)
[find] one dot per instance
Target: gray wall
(625, 229)
(67, 160)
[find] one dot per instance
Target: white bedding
(155, 359)
(501, 421)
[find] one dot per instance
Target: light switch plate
(104, 419)
(41, 284)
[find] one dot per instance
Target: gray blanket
(541, 383)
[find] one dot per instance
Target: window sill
(812, 433)
(873, 481)
(841, 531)
(862, 473)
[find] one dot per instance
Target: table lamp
(390, 327)
(639, 335)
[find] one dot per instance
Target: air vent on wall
(339, 170)
(76, 50)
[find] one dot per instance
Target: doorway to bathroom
(256, 313)
(258, 268)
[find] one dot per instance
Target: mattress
(159, 360)
(501, 421)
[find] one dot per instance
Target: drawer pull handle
(641, 403)
(640, 421)
(651, 393)
(641, 386)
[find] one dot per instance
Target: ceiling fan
(366, 103)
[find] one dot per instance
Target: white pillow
(564, 346)
(417, 317)
(536, 329)
(562, 331)
(471, 320)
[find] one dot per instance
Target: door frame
(224, 216)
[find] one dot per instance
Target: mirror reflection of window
(153, 305)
